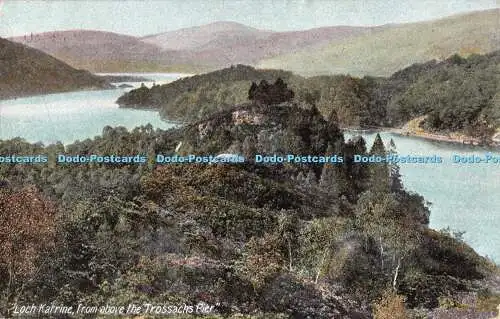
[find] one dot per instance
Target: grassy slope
(222, 44)
(385, 52)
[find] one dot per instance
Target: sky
(144, 17)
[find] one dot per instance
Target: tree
(378, 146)
(269, 94)
(381, 217)
(287, 232)
(249, 147)
(482, 128)
(328, 179)
(318, 245)
(251, 92)
(310, 178)
(355, 177)
(396, 185)
(333, 118)
(312, 98)
(261, 260)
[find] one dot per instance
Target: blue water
(464, 197)
(67, 117)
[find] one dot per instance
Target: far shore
(425, 135)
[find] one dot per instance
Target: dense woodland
(457, 95)
(321, 241)
(280, 241)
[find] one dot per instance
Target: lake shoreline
(35, 94)
(462, 195)
(73, 115)
(424, 136)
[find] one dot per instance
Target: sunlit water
(67, 117)
(464, 197)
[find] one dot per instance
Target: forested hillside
(457, 94)
(194, 97)
(292, 240)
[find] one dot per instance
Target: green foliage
(454, 94)
(450, 303)
(252, 238)
(320, 251)
(429, 279)
(457, 94)
(261, 260)
(379, 172)
(348, 96)
(195, 97)
(269, 94)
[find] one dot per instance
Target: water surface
(71, 116)
(464, 197)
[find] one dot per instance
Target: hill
(100, 51)
(358, 51)
(26, 71)
(195, 49)
(192, 98)
(200, 36)
(397, 46)
(291, 240)
(457, 95)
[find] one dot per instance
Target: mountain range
(377, 50)
(398, 46)
(194, 49)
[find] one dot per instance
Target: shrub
(390, 306)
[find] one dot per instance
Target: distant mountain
(199, 36)
(221, 44)
(26, 71)
(358, 51)
(100, 51)
(397, 46)
(194, 49)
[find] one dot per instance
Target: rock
(124, 86)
